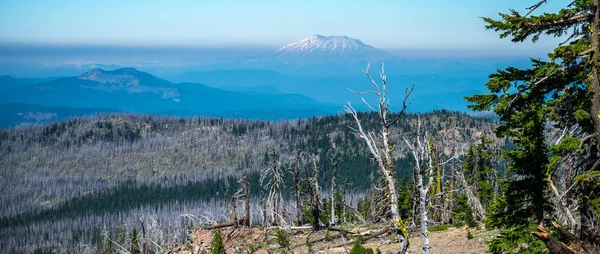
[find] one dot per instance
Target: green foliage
(135, 247)
(284, 238)
(253, 247)
(357, 248)
(478, 168)
(469, 235)
(517, 240)
(359, 238)
(309, 244)
(328, 237)
(562, 90)
(592, 181)
(404, 199)
(217, 243)
(126, 196)
(463, 213)
(437, 228)
(107, 247)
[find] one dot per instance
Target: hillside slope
(98, 171)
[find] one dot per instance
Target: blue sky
(400, 24)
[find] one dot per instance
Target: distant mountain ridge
(130, 90)
(323, 49)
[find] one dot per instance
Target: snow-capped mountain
(319, 48)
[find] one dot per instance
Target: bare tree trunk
(372, 204)
(234, 207)
(595, 70)
(264, 212)
(297, 187)
(226, 206)
(381, 150)
(246, 202)
(275, 212)
(451, 191)
(560, 202)
(344, 201)
(423, 213)
(332, 221)
(420, 153)
(478, 211)
(144, 245)
(315, 198)
(495, 172)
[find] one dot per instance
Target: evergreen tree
(217, 243)
(478, 167)
(135, 246)
(404, 198)
(563, 90)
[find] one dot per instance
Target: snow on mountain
(319, 48)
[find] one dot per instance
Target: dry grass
(452, 240)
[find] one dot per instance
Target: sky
(386, 24)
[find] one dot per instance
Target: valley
(93, 174)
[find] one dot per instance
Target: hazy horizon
(452, 25)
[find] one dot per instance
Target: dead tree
(271, 180)
(421, 154)
(144, 244)
(380, 147)
(315, 198)
(478, 211)
(423, 171)
(450, 217)
(311, 188)
(333, 220)
(297, 188)
(246, 202)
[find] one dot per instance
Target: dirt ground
(256, 240)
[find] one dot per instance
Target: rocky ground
(258, 240)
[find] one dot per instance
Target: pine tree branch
(582, 16)
(534, 7)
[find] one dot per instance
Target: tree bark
(226, 224)
(332, 221)
(595, 70)
(297, 187)
(275, 212)
(315, 199)
(552, 245)
(246, 202)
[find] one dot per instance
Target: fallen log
(226, 224)
(341, 230)
(318, 240)
(376, 234)
(552, 245)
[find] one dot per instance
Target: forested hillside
(81, 177)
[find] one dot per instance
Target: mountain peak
(124, 76)
(318, 48)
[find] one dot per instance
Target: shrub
(309, 244)
(469, 235)
(439, 228)
(284, 238)
(357, 248)
(328, 237)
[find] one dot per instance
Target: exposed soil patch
(257, 240)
